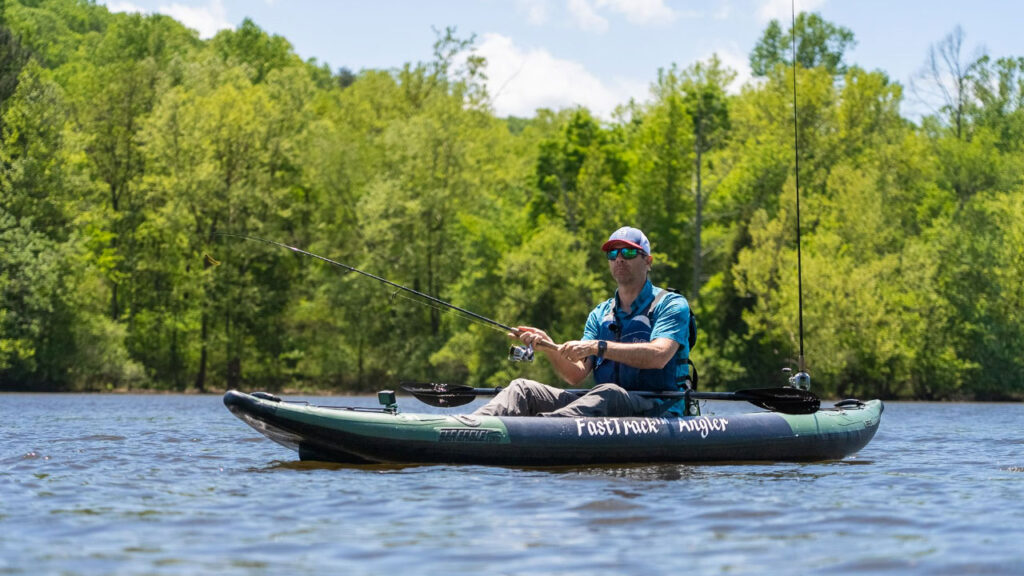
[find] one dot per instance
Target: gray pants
(528, 398)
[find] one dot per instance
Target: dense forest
(127, 144)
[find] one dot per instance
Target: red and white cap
(627, 237)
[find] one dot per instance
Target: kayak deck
(368, 435)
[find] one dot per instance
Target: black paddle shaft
(785, 400)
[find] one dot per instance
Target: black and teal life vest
(673, 376)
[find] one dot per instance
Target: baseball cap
(627, 237)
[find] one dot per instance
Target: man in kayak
(639, 340)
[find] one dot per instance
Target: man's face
(628, 271)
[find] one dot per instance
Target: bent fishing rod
(515, 354)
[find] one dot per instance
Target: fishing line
(446, 311)
(467, 314)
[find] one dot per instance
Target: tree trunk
(201, 375)
(234, 373)
(359, 360)
(114, 311)
(697, 226)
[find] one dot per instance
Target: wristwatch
(601, 347)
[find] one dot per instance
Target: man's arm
(644, 355)
(572, 371)
(670, 331)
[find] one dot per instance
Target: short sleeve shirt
(671, 318)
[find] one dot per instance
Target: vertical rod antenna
(796, 147)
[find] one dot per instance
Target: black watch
(601, 347)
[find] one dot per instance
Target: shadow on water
(639, 472)
(315, 465)
(690, 471)
(634, 472)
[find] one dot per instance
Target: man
(639, 340)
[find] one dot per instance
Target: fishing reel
(801, 380)
(520, 353)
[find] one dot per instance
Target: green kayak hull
(362, 435)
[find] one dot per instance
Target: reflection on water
(177, 485)
(310, 465)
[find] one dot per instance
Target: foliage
(818, 43)
(128, 145)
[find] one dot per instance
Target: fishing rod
(801, 379)
(516, 353)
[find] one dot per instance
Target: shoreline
(352, 393)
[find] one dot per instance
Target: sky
(601, 53)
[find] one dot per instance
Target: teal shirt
(672, 320)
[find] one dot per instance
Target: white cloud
(207, 20)
(584, 15)
(124, 7)
(536, 11)
(521, 80)
(782, 10)
(641, 11)
(587, 14)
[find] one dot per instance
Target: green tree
(432, 160)
(255, 50)
(221, 159)
(559, 166)
(54, 31)
(664, 147)
(704, 86)
(998, 90)
(50, 336)
(111, 100)
(818, 43)
(12, 58)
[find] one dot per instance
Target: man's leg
(609, 400)
(526, 398)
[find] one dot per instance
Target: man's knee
(608, 388)
(520, 383)
(524, 386)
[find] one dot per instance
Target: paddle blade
(785, 400)
(440, 395)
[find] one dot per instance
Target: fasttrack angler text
(637, 426)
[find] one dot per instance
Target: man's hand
(576, 350)
(571, 366)
(532, 336)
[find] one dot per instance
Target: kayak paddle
(785, 400)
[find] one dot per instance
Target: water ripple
(176, 485)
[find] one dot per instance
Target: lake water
(104, 484)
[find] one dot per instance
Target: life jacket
(638, 329)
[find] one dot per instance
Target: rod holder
(388, 400)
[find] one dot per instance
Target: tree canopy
(818, 43)
(127, 144)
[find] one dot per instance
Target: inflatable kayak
(386, 435)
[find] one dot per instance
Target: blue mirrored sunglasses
(627, 253)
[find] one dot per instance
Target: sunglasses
(627, 253)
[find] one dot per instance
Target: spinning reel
(520, 353)
(801, 380)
